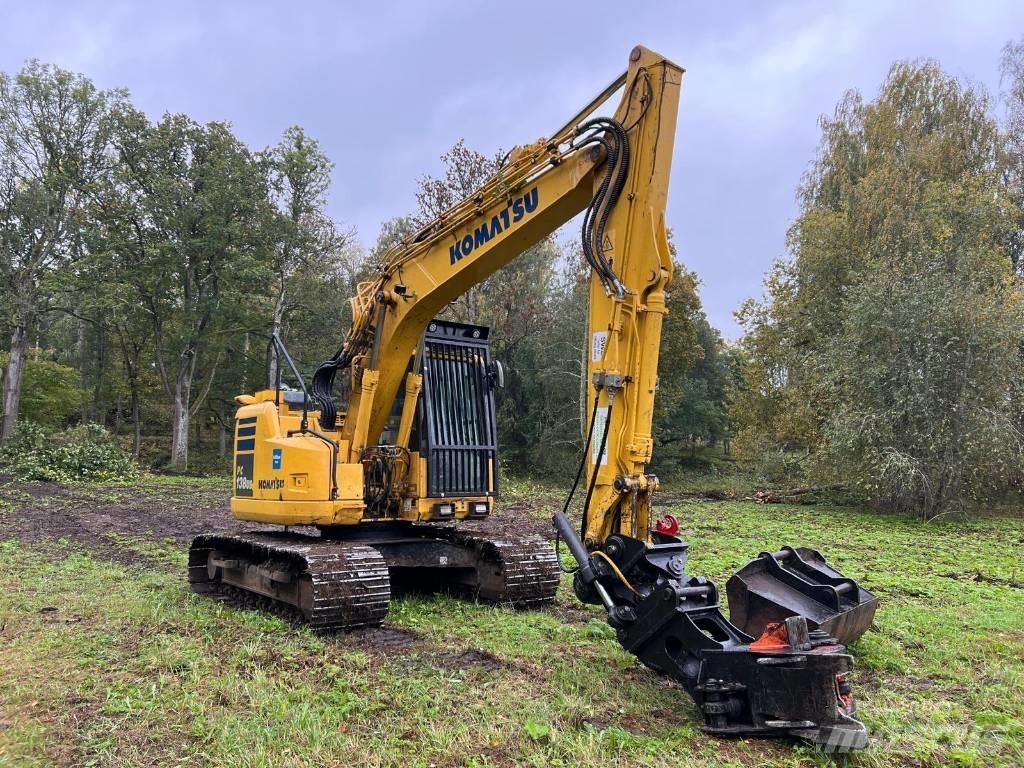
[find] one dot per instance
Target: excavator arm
(793, 678)
(617, 170)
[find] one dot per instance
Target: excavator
(371, 494)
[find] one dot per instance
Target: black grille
(459, 436)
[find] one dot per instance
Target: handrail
(276, 346)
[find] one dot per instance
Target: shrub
(86, 453)
(50, 394)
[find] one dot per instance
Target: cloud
(389, 86)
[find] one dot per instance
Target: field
(107, 659)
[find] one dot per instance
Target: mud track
(93, 517)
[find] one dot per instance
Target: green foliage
(86, 453)
(694, 372)
(50, 394)
(190, 247)
(55, 128)
(927, 400)
(889, 350)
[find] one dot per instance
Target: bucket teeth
(798, 582)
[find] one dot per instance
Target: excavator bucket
(798, 582)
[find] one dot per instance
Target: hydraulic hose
(610, 134)
(597, 465)
(575, 485)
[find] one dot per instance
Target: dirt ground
(92, 517)
(510, 688)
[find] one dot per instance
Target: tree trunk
(99, 399)
(180, 417)
(273, 363)
(179, 434)
(83, 379)
(245, 362)
(131, 367)
(136, 420)
(223, 448)
(12, 381)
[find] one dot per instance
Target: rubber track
(350, 583)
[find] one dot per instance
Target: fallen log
(771, 496)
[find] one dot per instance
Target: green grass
(132, 669)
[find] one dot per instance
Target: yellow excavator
(379, 485)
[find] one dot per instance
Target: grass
(120, 665)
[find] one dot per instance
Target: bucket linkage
(791, 678)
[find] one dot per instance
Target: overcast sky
(388, 86)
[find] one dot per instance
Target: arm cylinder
(572, 540)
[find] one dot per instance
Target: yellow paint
(434, 269)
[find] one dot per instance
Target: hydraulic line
(576, 481)
(606, 132)
(595, 203)
(597, 465)
(610, 134)
(617, 571)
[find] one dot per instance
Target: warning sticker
(600, 341)
(600, 425)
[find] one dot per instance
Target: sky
(387, 87)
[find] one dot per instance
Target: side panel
(288, 480)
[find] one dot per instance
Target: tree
(392, 232)
(696, 409)
(204, 263)
(118, 239)
(890, 344)
(54, 135)
(306, 239)
(1011, 67)
(680, 351)
(466, 170)
(51, 392)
